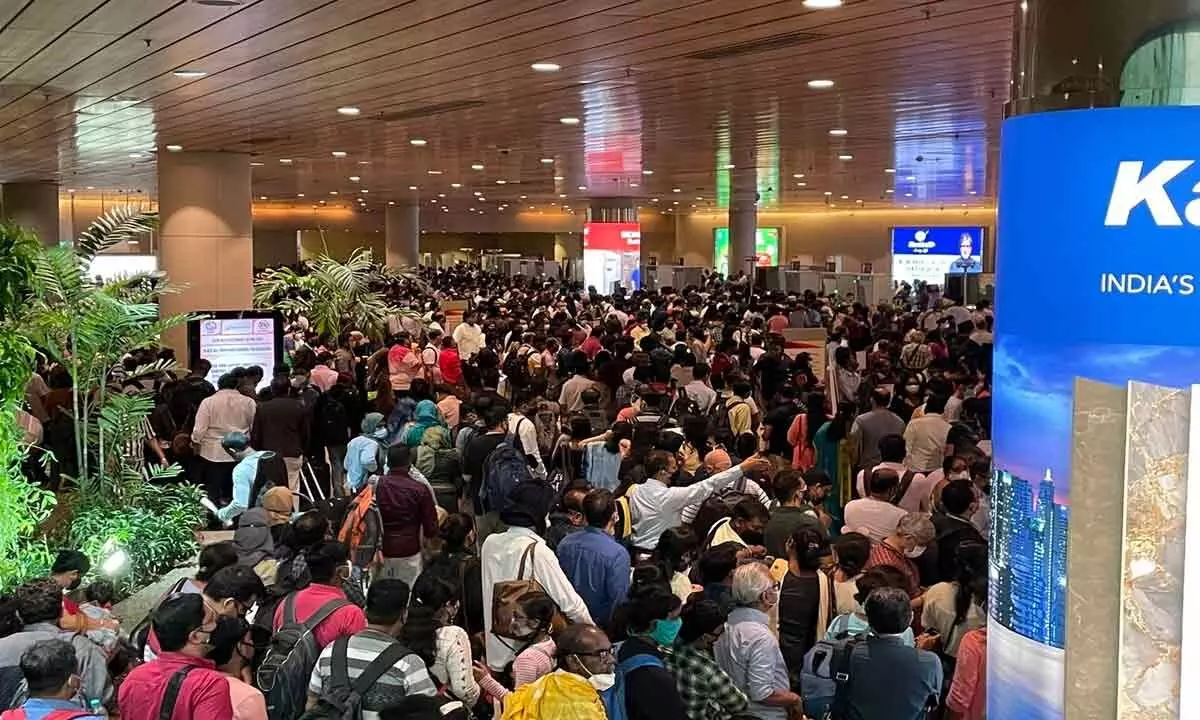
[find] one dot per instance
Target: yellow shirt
(739, 415)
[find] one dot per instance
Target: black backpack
(334, 420)
(516, 367)
(287, 667)
(719, 421)
(342, 698)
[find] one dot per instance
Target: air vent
(428, 110)
(774, 42)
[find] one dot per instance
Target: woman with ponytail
(954, 608)
(430, 632)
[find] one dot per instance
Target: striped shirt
(407, 677)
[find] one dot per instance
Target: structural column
(403, 240)
(33, 206)
(743, 217)
(206, 240)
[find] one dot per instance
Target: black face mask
(229, 631)
(752, 537)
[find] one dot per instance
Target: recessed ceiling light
(801, 184)
(256, 164)
(820, 84)
(339, 153)
(889, 191)
(364, 191)
(174, 148)
(633, 185)
(908, 194)
(391, 202)
(355, 178)
(822, 4)
(299, 195)
(891, 171)
(828, 194)
(189, 74)
(262, 197)
(911, 178)
(455, 185)
(845, 156)
(419, 142)
(441, 195)
(545, 67)
(477, 166)
(972, 192)
(559, 178)
(839, 132)
(412, 187)
(582, 187)
(647, 172)
(364, 162)
(350, 111)
(569, 120)
(675, 190)
(434, 172)
(501, 182)
(562, 195)
(482, 199)
(285, 161)
(333, 192)
(845, 197)
(731, 166)
(90, 187)
(71, 191)
(477, 193)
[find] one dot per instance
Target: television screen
(766, 247)
(928, 254)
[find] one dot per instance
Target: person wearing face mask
(900, 549)
(48, 668)
(282, 426)
(652, 620)
(595, 563)
(431, 633)
(706, 691)
(960, 502)
(38, 604)
(244, 474)
(329, 566)
(184, 626)
(366, 453)
(657, 506)
(233, 652)
(532, 624)
(744, 526)
(749, 653)
(585, 660)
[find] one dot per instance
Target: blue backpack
(825, 673)
(614, 697)
(503, 469)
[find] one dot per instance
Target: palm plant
(88, 330)
(333, 295)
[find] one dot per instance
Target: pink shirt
(777, 323)
(344, 622)
(449, 407)
(248, 702)
(968, 691)
(324, 377)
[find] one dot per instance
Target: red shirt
(204, 694)
(450, 364)
(344, 622)
(591, 346)
(884, 554)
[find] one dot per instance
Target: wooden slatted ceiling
(85, 84)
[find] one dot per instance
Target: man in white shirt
(227, 411)
(926, 437)
(657, 507)
(501, 560)
(521, 427)
(699, 390)
(917, 496)
(875, 516)
(469, 337)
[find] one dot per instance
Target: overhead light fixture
(501, 182)
(189, 74)
(820, 84)
(845, 197)
(523, 197)
(285, 161)
(70, 191)
(364, 191)
(339, 153)
(845, 156)
(547, 161)
(391, 202)
(477, 193)
(569, 120)
(889, 191)
(890, 171)
(441, 195)
(419, 142)
(675, 190)
(477, 166)
(828, 194)
(355, 178)
(256, 164)
(798, 176)
(90, 187)
(908, 194)
(545, 67)
(349, 111)
(433, 172)
(299, 195)
(262, 197)
(822, 4)
(455, 185)
(174, 148)
(647, 172)
(412, 187)
(972, 192)
(562, 195)
(839, 132)
(333, 192)
(801, 184)
(581, 188)
(911, 178)
(633, 185)
(559, 178)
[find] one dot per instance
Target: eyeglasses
(602, 654)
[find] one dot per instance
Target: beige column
(206, 235)
(33, 206)
(403, 234)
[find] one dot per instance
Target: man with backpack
(476, 453)
(519, 554)
(181, 683)
(49, 669)
(368, 672)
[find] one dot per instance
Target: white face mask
(916, 552)
(602, 681)
(960, 476)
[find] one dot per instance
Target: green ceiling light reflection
(724, 161)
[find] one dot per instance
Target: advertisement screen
(612, 255)
(231, 339)
(766, 247)
(928, 254)
(1117, 241)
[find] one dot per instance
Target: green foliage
(47, 300)
(154, 528)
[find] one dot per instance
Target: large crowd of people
(558, 504)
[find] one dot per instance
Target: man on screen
(965, 263)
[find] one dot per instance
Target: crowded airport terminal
(599, 359)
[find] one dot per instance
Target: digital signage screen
(927, 254)
(766, 247)
(612, 255)
(233, 339)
